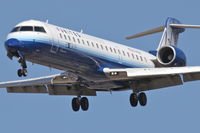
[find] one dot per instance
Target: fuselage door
(119, 56)
(53, 40)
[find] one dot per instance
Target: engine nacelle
(171, 56)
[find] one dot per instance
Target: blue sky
(174, 109)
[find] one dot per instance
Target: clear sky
(174, 109)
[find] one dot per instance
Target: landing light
(113, 73)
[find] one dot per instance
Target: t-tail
(167, 52)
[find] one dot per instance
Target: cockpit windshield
(15, 29)
(29, 28)
(26, 28)
(39, 29)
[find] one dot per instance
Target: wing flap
(159, 82)
(65, 90)
(191, 77)
(59, 84)
(63, 78)
(28, 89)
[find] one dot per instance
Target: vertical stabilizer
(171, 31)
(170, 34)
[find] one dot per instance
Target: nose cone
(12, 44)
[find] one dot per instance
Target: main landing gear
(23, 71)
(135, 97)
(79, 102)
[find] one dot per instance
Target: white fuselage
(102, 52)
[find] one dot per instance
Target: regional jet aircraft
(91, 64)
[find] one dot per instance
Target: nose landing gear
(23, 71)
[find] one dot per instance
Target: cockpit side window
(15, 29)
(26, 28)
(39, 29)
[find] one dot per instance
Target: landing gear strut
(23, 71)
(78, 102)
(135, 97)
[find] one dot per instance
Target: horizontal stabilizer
(152, 31)
(184, 26)
(161, 28)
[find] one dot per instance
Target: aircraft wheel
(19, 72)
(133, 99)
(84, 103)
(75, 104)
(24, 72)
(142, 99)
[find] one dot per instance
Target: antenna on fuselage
(47, 21)
(81, 30)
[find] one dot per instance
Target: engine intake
(171, 56)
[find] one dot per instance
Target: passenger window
(40, 29)
(128, 54)
(92, 44)
(74, 39)
(124, 53)
(15, 29)
(137, 57)
(133, 56)
(78, 40)
(101, 47)
(97, 45)
(75, 34)
(141, 58)
(60, 35)
(114, 50)
(65, 37)
(69, 38)
(78, 34)
(88, 43)
(111, 49)
(106, 48)
(83, 42)
(26, 28)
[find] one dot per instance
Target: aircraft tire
(133, 99)
(75, 104)
(19, 72)
(142, 99)
(84, 103)
(24, 72)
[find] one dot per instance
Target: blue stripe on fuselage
(39, 51)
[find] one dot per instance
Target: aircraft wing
(59, 84)
(154, 78)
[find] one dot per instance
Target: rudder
(170, 34)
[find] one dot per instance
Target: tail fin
(170, 34)
(171, 31)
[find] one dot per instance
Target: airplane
(91, 64)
